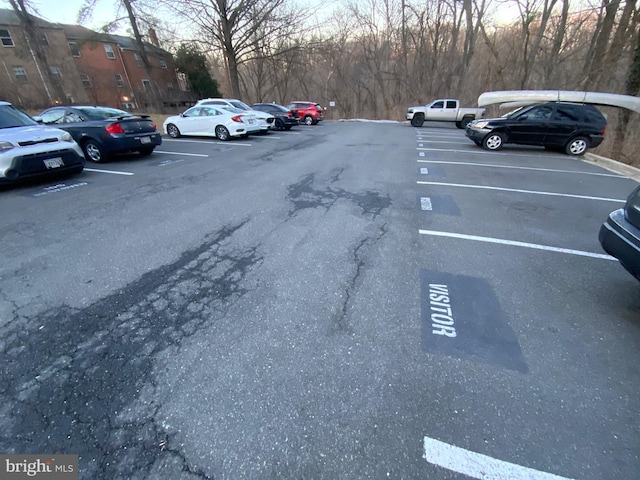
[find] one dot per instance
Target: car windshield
(11, 117)
(240, 105)
(512, 113)
(232, 109)
(103, 113)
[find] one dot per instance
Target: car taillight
(115, 128)
(604, 129)
(237, 118)
(290, 114)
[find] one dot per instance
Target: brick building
(85, 67)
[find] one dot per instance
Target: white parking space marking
(474, 151)
(272, 136)
(433, 140)
(501, 241)
(521, 168)
(114, 172)
(477, 465)
(425, 203)
(533, 192)
(424, 171)
(208, 142)
(185, 154)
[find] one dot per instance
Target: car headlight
(66, 137)
(6, 146)
(480, 124)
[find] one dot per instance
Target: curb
(613, 165)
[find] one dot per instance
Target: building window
(138, 60)
(56, 74)
(21, 74)
(147, 85)
(109, 51)
(5, 38)
(163, 63)
(75, 52)
(119, 80)
(86, 81)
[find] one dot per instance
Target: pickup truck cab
(443, 110)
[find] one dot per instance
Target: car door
(191, 122)
(530, 126)
(562, 126)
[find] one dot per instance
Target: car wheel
(577, 146)
(459, 124)
(173, 131)
(93, 151)
(465, 121)
(146, 151)
(308, 120)
(222, 133)
(417, 120)
(279, 124)
(493, 141)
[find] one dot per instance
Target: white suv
(28, 149)
(265, 120)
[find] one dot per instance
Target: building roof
(9, 17)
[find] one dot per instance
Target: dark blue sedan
(104, 131)
(620, 234)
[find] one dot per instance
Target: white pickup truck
(443, 110)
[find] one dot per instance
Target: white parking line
(521, 168)
(114, 172)
(208, 142)
(185, 154)
(501, 241)
(476, 465)
(474, 151)
(431, 140)
(550, 194)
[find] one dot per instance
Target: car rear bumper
(596, 140)
(621, 240)
(126, 143)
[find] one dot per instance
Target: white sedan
(223, 123)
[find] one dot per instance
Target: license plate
(145, 140)
(53, 162)
(251, 121)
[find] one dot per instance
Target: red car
(309, 113)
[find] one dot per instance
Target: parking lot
(346, 300)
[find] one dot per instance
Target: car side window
(72, 117)
(540, 113)
(192, 112)
(438, 105)
(567, 113)
(53, 116)
(451, 104)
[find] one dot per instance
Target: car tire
(222, 133)
(146, 151)
(308, 120)
(173, 131)
(459, 124)
(493, 141)
(417, 120)
(577, 146)
(279, 124)
(93, 151)
(465, 121)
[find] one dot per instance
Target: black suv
(571, 127)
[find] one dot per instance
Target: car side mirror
(523, 117)
(38, 119)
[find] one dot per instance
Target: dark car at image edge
(104, 131)
(620, 234)
(284, 118)
(569, 127)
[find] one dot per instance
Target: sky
(66, 11)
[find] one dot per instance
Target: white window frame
(4, 39)
(119, 80)
(108, 49)
(21, 74)
(86, 81)
(73, 48)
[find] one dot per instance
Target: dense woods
(374, 58)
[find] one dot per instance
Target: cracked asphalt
(255, 314)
